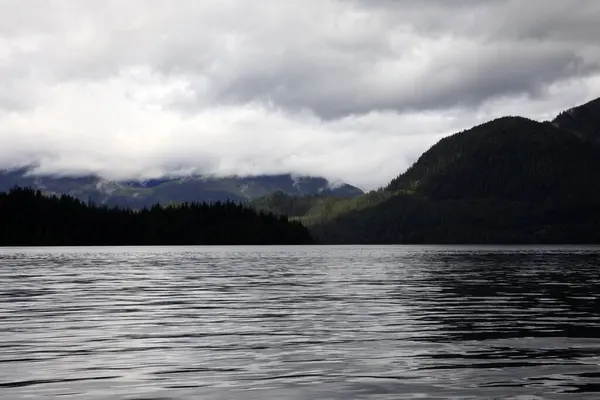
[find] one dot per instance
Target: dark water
(300, 323)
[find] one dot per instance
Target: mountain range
(139, 194)
(510, 180)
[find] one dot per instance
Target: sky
(352, 90)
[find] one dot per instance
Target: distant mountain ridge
(138, 194)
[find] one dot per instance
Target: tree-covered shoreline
(30, 218)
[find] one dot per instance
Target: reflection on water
(300, 323)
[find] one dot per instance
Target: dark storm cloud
(425, 55)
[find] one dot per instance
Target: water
(300, 323)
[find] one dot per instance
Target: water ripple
(300, 323)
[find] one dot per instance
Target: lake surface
(300, 323)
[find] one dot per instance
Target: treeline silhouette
(30, 218)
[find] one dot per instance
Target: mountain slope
(406, 219)
(582, 121)
(311, 210)
(509, 158)
(511, 180)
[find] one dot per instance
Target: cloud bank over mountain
(349, 90)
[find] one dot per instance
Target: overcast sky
(350, 90)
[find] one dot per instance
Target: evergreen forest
(30, 218)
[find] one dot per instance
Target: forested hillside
(29, 218)
(509, 158)
(406, 219)
(511, 180)
(582, 121)
(313, 210)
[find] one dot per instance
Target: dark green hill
(509, 158)
(511, 180)
(583, 121)
(409, 219)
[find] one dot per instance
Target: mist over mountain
(144, 193)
